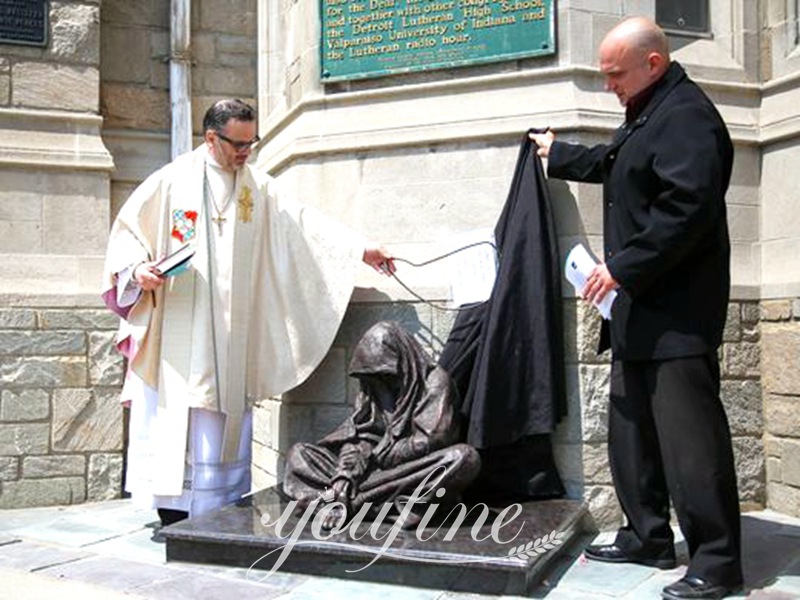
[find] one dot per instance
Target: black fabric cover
(506, 355)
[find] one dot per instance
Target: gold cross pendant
(219, 220)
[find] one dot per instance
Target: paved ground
(104, 551)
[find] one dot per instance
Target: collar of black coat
(652, 95)
(636, 104)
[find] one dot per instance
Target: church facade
(411, 158)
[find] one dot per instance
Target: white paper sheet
(474, 270)
(578, 266)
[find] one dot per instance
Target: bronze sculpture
(403, 429)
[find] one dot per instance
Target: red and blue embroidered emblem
(183, 224)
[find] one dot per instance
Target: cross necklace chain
(220, 218)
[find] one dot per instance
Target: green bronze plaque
(369, 38)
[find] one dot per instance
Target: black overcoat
(665, 229)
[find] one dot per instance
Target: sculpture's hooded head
(392, 368)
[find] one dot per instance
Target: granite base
(469, 558)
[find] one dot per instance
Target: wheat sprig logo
(536, 547)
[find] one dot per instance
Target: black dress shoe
(614, 554)
(694, 587)
(169, 516)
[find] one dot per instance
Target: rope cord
(439, 306)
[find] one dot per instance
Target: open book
(579, 265)
(177, 262)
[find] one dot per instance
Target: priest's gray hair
(222, 111)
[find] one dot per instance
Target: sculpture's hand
(328, 496)
(338, 492)
(349, 458)
(341, 489)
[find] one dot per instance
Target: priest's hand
(544, 141)
(379, 259)
(598, 284)
(147, 276)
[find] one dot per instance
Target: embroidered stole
(203, 360)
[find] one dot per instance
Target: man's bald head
(633, 56)
(640, 35)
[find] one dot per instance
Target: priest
(252, 316)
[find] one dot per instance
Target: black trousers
(669, 438)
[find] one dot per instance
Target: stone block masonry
(135, 67)
(61, 425)
(65, 74)
(580, 441)
(780, 347)
(741, 392)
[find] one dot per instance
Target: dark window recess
(683, 15)
(797, 23)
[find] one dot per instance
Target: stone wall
(134, 72)
(742, 395)
(61, 426)
(780, 243)
(134, 90)
(780, 334)
(64, 75)
(53, 165)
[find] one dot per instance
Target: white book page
(473, 270)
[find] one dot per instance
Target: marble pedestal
(470, 561)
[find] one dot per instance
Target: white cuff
(128, 289)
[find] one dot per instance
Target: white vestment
(276, 277)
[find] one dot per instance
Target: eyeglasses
(239, 145)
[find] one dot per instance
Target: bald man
(664, 176)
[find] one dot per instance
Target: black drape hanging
(506, 355)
